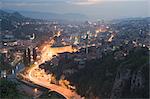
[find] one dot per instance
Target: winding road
(46, 54)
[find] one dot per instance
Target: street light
(35, 93)
(35, 90)
(35, 63)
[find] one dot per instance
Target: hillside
(9, 20)
(52, 16)
(110, 78)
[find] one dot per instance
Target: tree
(8, 89)
(1, 59)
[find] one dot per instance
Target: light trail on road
(46, 54)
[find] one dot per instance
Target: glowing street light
(35, 90)
(35, 63)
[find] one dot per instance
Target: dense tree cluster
(97, 78)
(8, 89)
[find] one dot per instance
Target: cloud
(92, 2)
(49, 2)
(21, 4)
(83, 2)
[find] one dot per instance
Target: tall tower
(25, 58)
(86, 42)
(34, 54)
(29, 55)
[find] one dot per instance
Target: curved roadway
(47, 54)
(67, 93)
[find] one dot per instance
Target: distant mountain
(53, 16)
(4, 14)
(9, 20)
